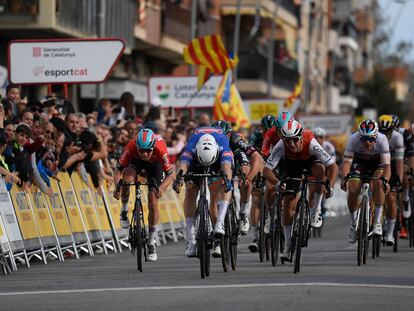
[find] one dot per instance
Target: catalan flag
(295, 94)
(210, 54)
(228, 104)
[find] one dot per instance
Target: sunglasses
(294, 140)
(145, 150)
(370, 139)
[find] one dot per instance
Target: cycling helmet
(268, 122)
(207, 150)
(145, 139)
(319, 132)
(282, 118)
(368, 128)
(396, 121)
(224, 125)
(292, 129)
(385, 123)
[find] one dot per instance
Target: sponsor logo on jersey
(208, 130)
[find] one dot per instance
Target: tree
(378, 94)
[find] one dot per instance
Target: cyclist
(271, 129)
(246, 159)
(408, 165)
(367, 153)
(396, 144)
(209, 147)
(299, 150)
(147, 154)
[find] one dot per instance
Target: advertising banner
(63, 60)
(181, 92)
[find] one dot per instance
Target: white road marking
(203, 287)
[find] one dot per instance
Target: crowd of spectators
(38, 138)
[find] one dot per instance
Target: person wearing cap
(18, 156)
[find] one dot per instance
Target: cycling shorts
(152, 171)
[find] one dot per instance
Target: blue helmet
(267, 122)
(145, 139)
(283, 118)
(368, 128)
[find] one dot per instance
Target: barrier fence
(76, 218)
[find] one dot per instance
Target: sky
(402, 19)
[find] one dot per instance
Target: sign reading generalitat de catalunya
(63, 60)
(181, 92)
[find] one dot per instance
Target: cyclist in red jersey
(299, 150)
(145, 155)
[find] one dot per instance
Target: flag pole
(195, 95)
(193, 27)
(236, 36)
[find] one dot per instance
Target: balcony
(53, 18)
(252, 66)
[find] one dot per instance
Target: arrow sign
(63, 60)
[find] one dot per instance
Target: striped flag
(228, 104)
(295, 94)
(208, 52)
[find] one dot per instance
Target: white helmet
(292, 129)
(319, 132)
(207, 150)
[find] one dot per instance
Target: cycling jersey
(396, 144)
(256, 139)
(408, 142)
(310, 148)
(329, 148)
(159, 155)
(356, 150)
(222, 141)
(237, 142)
(270, 139)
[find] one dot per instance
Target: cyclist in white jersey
(396, 143)
(408, 165)
(367, 153)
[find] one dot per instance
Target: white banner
(10, 222)
(63, 60)
(180, 92)
(333, 124)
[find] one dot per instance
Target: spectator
(203, 120)
(126, 107)
(155, 115)
(105, 113)
(72, 123)
(9, 130)
(26, 117)
(132, 129)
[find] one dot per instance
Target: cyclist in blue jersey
(207, 147)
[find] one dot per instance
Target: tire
(138, 236)
(234, 236)
(275, 229)
(365, 234)
(201, 239)
(262, 238)
(225, 244)
(396, 233)
(300, 234)
(376, 241)
(360, 235)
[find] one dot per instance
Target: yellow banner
(41, 213)
(57, 210)
(259, 110)
(24, 214)
(85, 202)
(100, 210)
(70, 202)
(114, 205)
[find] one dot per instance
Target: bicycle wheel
(225, 244)
(262, 221)
(360, 231)
(202, 238)
(275, 234)
(234, 235)
(300, 215)
(365, 232)
(138, 236)
(376, 241)
(396, 233)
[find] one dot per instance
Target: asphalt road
(329, 278)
